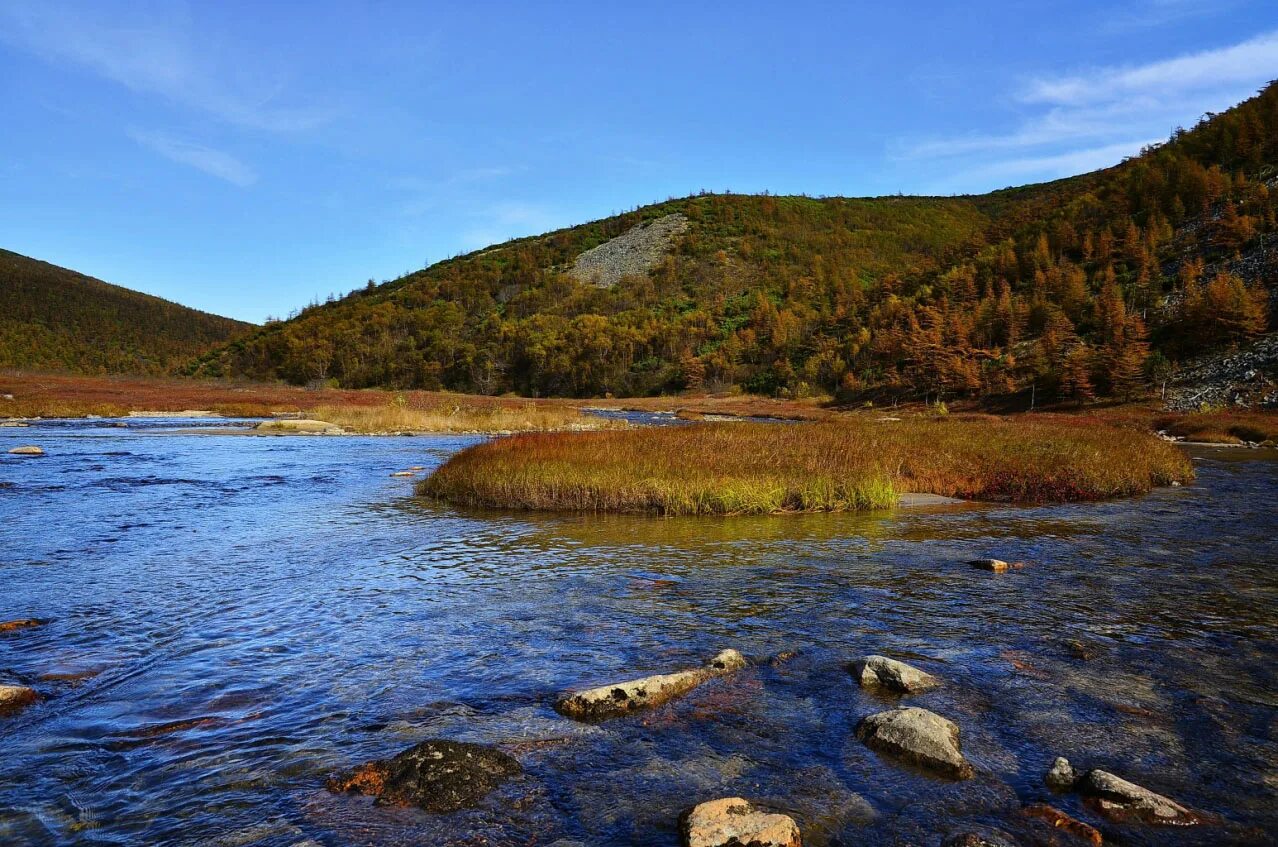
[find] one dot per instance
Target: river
(235, 618)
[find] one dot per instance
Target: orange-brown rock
(734, 822)
(1063, 822)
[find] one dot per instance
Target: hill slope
(54, 318)
(1062, 287)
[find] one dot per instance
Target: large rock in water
(882, 672)
(621, 698)
(438, 776)
(27, 450)
(21, 623)
(285, 425)
(15, 698)
(919, 737)
(734, 822)
(1121, 800)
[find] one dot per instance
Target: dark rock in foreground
(621, 698)
(734, 822)
(1121, 800)
(918, 737)
(438, 776)
(995, 565)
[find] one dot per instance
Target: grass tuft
(852, 464)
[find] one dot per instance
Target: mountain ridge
(56, 318)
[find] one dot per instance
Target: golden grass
(457, 417)
(856, 463)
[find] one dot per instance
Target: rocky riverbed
(228, 625)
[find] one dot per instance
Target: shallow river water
(233, 619)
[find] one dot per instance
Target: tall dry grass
(455, 417)
(851, 464)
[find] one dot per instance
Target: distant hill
(1098, 284)
(54, 318)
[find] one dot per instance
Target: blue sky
(246, 158)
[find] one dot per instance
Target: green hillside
(1095, 284)
(54, 318)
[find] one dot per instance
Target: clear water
(236, 618)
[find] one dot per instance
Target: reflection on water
(236, 618)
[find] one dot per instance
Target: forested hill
(1094, 284)
(54, 318)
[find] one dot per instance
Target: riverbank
(853, 464)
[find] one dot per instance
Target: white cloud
(508, 220)
(1075, 122)
(214, 162)
(157, 55)
(1058, 165)
(1252, 62)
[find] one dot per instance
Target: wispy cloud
(1087, 119)
(154, 55)
(213, 162)
(1155, 13)
(1251, 62)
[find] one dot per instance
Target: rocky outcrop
(918, 737)
(1120, 800)
(1063, 822)
(621, 698)
(438, 776)
(1060, 777)
(1245, 377)
(27, 450)
(735, 822)
(885, 673)
(15, 698)
(633, 253)
(301, 425)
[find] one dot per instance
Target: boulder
(621, 698)
(438, 776)
(15, 698)
(918, 737)
(995, 565)
(300, 425)
(1059, 820)
(985, 838)
(403, 473)
(1121, 800)
(21, 623)
(1060, 777)
(882, 672)
(26, 450)
(734, 822)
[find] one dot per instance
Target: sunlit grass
(846, 465)
(456, 417)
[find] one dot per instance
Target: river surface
(233, 619)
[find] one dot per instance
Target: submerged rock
(986, 838)
(15, 698)
(621, 698)
(1060, 777)
(1121, 800)
(995, 565)
(919, 737)
(22, 623)
(27, 450)
(1059, 820)
(882, 672)
(300, 425)
(735, 822)
(438, 776)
